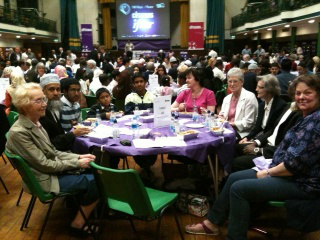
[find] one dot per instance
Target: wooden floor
(11, 218)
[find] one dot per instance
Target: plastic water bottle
(172, 128)
(176, 124)
(135, 128)
(136, 112)
(207, 121)
(115, 130)
(98, 118)
(195, 114)
(112, 116)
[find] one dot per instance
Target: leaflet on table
(142, 132)
(125, 117)
(101, 131)
(153, 82)
(159, 142)
(162, 111)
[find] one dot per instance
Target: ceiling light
(287, 25)
(33, 38)
(18, 36)
(311, 21)
(256, 31)
(56, 40)
(269, 29)
(245, 34)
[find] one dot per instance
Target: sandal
(84, 231)
(203, 231)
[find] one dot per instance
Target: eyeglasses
(40, 101)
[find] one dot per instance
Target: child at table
(140, 96)
(144, 100)
(103, 104)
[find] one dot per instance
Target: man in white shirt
(218, 70)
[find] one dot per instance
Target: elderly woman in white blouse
(240, 107)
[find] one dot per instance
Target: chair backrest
(12, 117)
(124, 186)
(91, 100)
(119, 103)
(84, 112)
(28, 177)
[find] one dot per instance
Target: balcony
(267, 9)
(27, 18)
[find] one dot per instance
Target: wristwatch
(256, 150)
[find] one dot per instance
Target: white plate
(129, 124)
(194, 125)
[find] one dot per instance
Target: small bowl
(87, 123)
(217, 132)
(188, 135)
(147, 119)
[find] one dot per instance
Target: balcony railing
(269, 8)
(27, 18)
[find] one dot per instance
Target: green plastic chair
(35, 190)
(119, 103)
(123, 191)
(12, 117)
(91, 100)
(84, 112)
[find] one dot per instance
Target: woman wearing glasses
(28, 139)
(240, 107)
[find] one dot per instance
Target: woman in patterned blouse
(293, 174)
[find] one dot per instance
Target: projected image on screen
(147, 19)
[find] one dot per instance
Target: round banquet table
(198, 149)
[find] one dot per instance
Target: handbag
(193, 204)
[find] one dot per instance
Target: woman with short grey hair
(241, 106)
(271, 107)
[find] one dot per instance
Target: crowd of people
(271, 101)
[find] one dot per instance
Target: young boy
(144, 100)
(140, 97)
(104, 105)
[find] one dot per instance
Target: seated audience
(80, 76)
(240, 107)
(16, 80)
(196, 96)
(164, 88)
(29, 140)
(124, 86)
(285, 77)
(275, 69)
(70, 114)
(268, 90)
(292, 174)
(103, 104)
(182, 85)
(51, 120)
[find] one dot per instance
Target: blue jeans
(83, 183)
(242, 189)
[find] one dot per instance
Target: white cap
(188, 63)
(173, 59)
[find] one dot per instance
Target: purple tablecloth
(197, 149)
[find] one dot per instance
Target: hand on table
(80, 131)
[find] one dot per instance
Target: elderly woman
(292, 174)
(40, 70)
(16, 79)
(271, 107)
(29, 140)
(241, 106)
(196, 96)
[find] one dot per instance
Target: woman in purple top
(196, 95)
(294, 173)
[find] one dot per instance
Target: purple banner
(147, 44)
(86, 37)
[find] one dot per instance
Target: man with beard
(51, 121)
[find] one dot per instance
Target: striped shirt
(70, 112)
